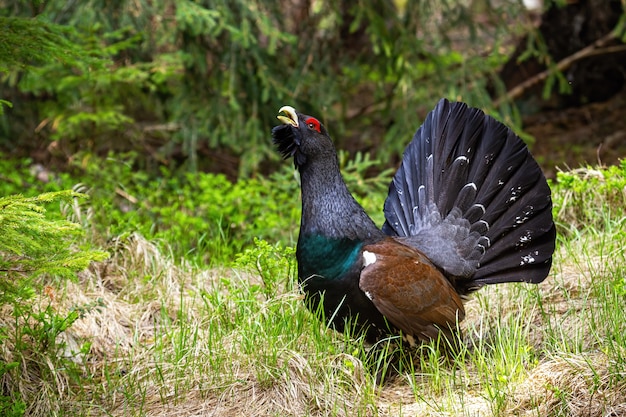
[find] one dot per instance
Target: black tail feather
(458, 180)
(531, 244)
(465, 197)
(469, 187)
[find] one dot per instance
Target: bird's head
(302, 137)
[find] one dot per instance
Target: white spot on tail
(368, 259)
(515, 193)
(520, 220)
(369, 295)
(462, 158)
(524, 239)
(529, 259)
(485, 242)
(480, 206)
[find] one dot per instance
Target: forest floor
(593, 134)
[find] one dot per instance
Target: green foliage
(177, 78)
(88, 106)
(4, 103)
(38, 354)
(29, 43)
(33, 245)
(10, 407)
(581, 196)
(208, 218)
(275, 265)
(200, 216)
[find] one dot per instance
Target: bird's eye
(314, 124)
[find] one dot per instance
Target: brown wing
(409, 290)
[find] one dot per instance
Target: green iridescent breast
(326, 257)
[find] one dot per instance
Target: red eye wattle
(314, 124)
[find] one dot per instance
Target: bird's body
(467, 207)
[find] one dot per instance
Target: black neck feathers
(328, 208)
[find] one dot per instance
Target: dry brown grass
(571, 385)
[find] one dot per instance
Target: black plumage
(468, 206)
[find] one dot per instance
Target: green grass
(159, 337)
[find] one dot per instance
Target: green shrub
(202, 216)
(581, 196)
(34, 246)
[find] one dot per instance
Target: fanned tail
(471, 197)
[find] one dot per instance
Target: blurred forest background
(196, 85)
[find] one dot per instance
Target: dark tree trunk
(594, 76)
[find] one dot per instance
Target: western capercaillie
(468, 206)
